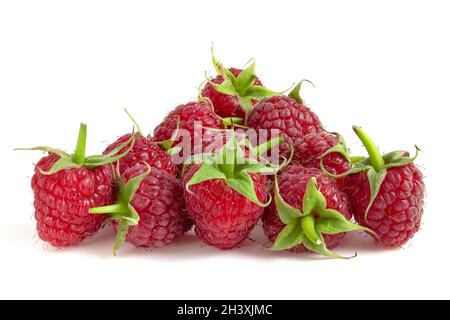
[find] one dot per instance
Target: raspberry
(223, 217)
(291, 117)
(186, 116)
(392, 203)
(62, 201)
(150, 210)
(65, 188)
(144, 150)
(293, 183)
(226, 105)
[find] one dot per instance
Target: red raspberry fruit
(225, 105)
(287, 114)
(309, 212)
(144, 150)
(233, 91)
(223, 217)
(150, 210)
(65, 188)
(186, 117)
(322, 146)
(309, 150)
(225, 196)
(392, 203)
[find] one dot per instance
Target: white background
(380, 64)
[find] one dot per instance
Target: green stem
(375, 157)
(308, 226)
(80, 151)
(134, 121)
(111, 209)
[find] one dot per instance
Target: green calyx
(295, 93)
(123, 210)
(375, 165)
(231, 165)
(308, 225)
(243, 86)
(78, 158)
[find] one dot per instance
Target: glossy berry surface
(287, 115)
(160, 205)
(144, 150)
(292, 185)
(225, 105)
(223, 217)
(396, 212)
(62, 201)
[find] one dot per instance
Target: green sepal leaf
(359, 167)
(138, 128)
(395, 156)
(231, 164)
(339, 148)
(119, 148)
(375, 181)
(259, 168)
(226, 87)
(333, 222)
(167, 144)
(227, 74)
(232, 121)
(223, 72)
(227, 157)
(246, 78)
(308, 226)
(313, 222)
(242, 86)
(292, 235)
(243, 183)
(264, 147)
(58, 152)
(100, 160)
(217, 65)
(399, 158)
(123, 210)
(204, 173)
(258, 92)
(321, 248)
(173, 151)
(61, 164)
(78, 159)
(295, 93)
(246, 104)
(286, 212)
(121, 235)
(313, 199)
(356, 159)
(129, 189)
